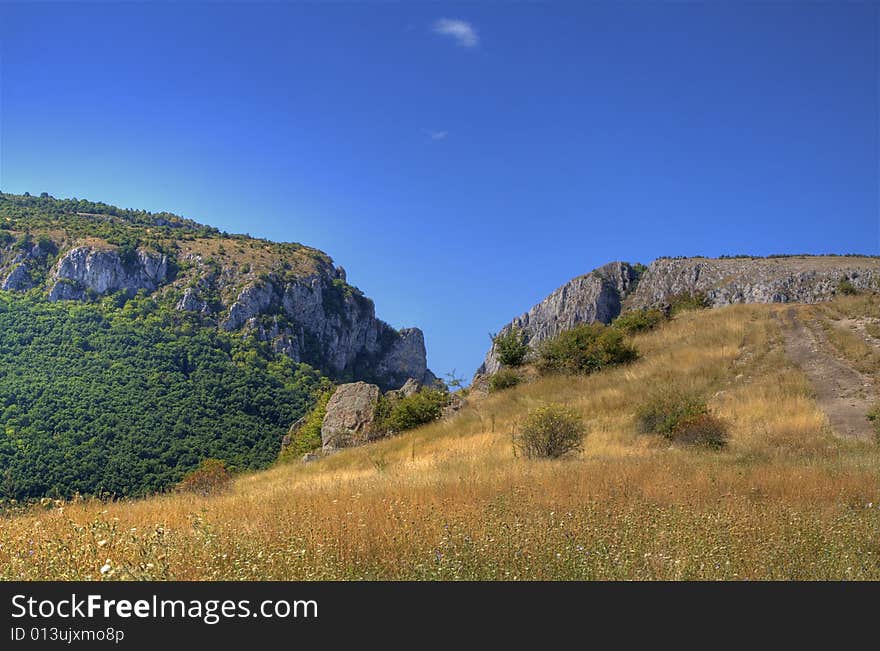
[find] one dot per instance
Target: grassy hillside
(786, 499)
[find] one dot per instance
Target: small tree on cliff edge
(511, 347)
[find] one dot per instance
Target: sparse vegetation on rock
(846, 287)
(304, 435)
(511, 347)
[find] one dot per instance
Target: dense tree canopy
(125, 397)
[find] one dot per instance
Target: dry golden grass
(786, 499)
(842, 322)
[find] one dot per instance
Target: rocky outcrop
(103, 271)
(410, 387)
(191, 301)
(350, 414)
(791, 279)
(602, 294)
(596, 296)
(404, 359)
(321, 320)
(288, 295)
(19, 279)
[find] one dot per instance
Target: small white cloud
(437, 135)
(461, 31)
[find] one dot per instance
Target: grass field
(786, 499)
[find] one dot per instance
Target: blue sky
(460, 160)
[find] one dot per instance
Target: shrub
(639, 320)
(399, 414)
(504, 379)
(549, 432)
(511, 347)
(46, 244)
(211, 476)
(846, 287)
(681, 418)
(704, 429)
(688, 301)
(666, 410)
(305, 435)
(585, 349)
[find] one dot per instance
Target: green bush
(666, 410)
(639, 320)
(846, 287)
(504, 379)
(584, 349)
(305, 435)
(688, 301)
(399, 414)
(681, 417)
(211, 476)
(704, 429)
(549, 432)
(511, 347)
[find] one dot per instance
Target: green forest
(124, 397)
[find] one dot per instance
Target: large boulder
(350, 415)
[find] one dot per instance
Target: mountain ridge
(289, 295)
(607, 291)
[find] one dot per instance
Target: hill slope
(787, 499)
(134, 345)
(604, 293)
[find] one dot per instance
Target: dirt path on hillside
(844, 394)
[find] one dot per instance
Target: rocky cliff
(286, 294)
(83, 270)
(604, 293)
(596, 296)
(789, 279)
(321, 320)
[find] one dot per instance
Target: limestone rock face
(405, 359)
(604, 293)
(103, 271)
(350, 414)
(318, 320)
(191, 301)
(596, 296)
(792, 279)
(19, 279)
(293, 297)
